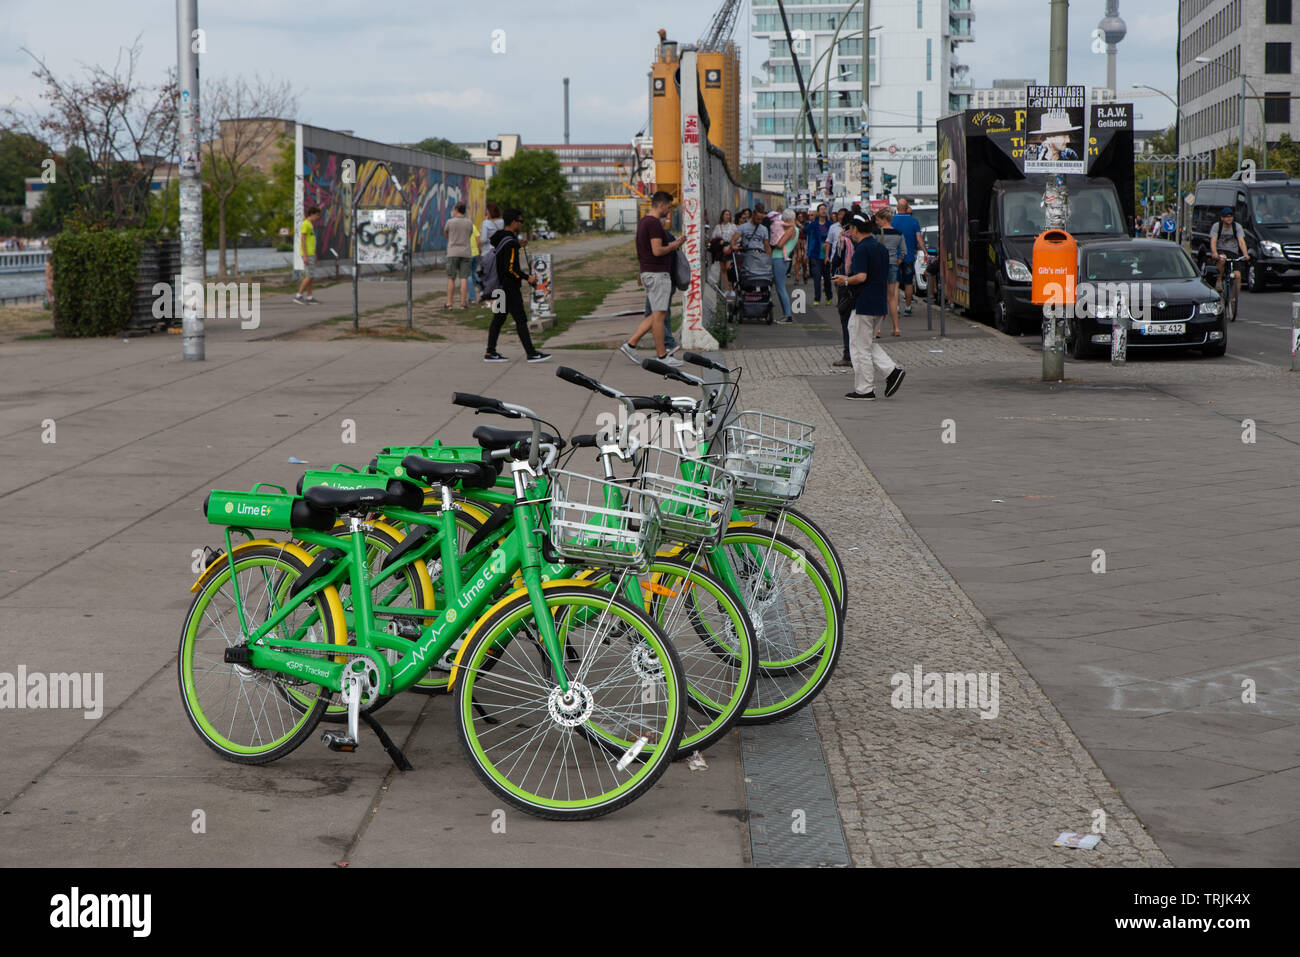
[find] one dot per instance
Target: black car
(1158, 285)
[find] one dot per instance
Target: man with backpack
(502, 269)
(1228, 241)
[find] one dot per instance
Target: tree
(124, 129)
(443, 147)
(589, 192)
(20, 157)
(532, 182)
(750, 175)
(240, 123)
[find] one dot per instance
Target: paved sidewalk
(1150, 662)
(95, 567)
(931, 787)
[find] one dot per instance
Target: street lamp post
(1178, 160)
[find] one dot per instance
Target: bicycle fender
(464, 646)
(216, 564)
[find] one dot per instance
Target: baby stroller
(753, 289)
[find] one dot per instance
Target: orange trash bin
(1055, 267)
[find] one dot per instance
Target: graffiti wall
(334, 165)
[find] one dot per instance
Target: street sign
(878, 204)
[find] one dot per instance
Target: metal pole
(864, 124)
(566, 111)
(1295, 330)
(1059, 34)
(191, 181)
(1241, 136)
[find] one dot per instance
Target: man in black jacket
(512, 276)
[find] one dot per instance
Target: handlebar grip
(471, 401)
(694, 358)
(576, 377)
(665, 370)
(652, 403)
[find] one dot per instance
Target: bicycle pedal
(339, 741)
(238, 655)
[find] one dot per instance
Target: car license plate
(1165, 329)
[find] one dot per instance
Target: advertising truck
(995, 167)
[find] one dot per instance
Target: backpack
(488, 280)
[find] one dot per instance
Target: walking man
(907, 224)
(307, 234)
(458, 230)
(819, 255)
(654, 256)
(869, 276)
(512, 276)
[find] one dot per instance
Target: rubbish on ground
(936, 350)
(696, 762)
(294, 460)
(1081, 841)
(1000, 501)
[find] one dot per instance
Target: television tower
(1114, 29)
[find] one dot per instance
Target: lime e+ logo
(230, 507)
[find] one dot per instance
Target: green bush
(94, 280)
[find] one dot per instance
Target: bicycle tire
(500, 668)
(714, 639)
(209, 630)
(791, 601)
(798, 526)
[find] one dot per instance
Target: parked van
(1268, 211)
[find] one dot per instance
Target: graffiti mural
(431, 192)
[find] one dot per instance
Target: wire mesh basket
(769, 455)
(606, 524)
(694, 495)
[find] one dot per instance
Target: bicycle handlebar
(668, 372)
(481, 403)
(694, 358)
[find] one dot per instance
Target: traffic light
(888, 179)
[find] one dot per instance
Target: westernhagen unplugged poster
(1056, 133)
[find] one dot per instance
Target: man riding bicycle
(1227, 241)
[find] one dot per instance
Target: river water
(250, 260)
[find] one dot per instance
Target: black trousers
(514, 301)
(844, 305)
(820, 273)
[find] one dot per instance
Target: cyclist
(1227, 241)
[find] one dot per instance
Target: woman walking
(783, 246)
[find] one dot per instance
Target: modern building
(1219, 40)
(914, 75)
(1005, 94)
(581, 163)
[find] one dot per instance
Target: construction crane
(723, 24)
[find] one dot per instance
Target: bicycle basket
(695, 496)
(589, 526)
(770, 457)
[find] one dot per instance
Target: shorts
(893, 273)
(308, 260)
(658, 289)
(457, 267)
(907, 273)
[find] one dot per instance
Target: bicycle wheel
(467, 523)
(801, 529)
(410, 588)
(249, 716)
(713, 637)
(790, 599)
(532, 744)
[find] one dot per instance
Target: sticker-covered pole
(188, 43)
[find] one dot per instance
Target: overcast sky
(400, 71)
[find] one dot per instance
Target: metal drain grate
(793, 821)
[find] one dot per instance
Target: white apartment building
(914, 74)
(1255, 37)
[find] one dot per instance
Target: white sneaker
(669, 360)
(630, 351)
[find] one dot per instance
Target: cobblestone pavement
(933, 787)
